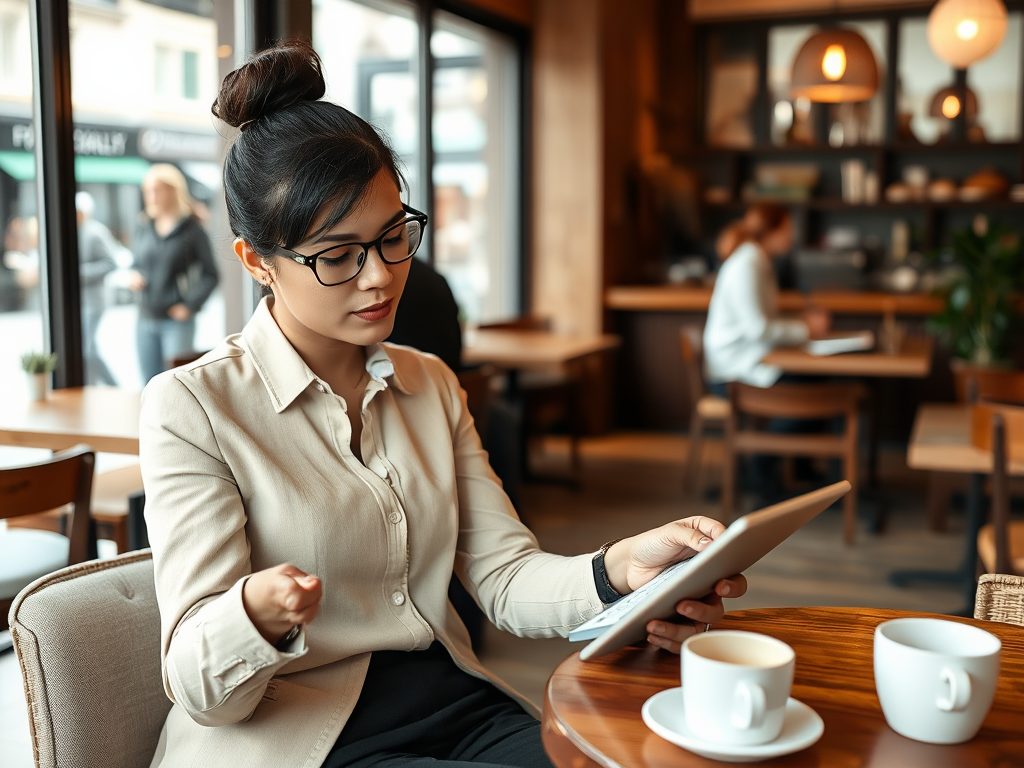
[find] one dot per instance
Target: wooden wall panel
(567, 166)
(706, 10)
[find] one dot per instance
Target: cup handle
(751, 706)
(959, 683)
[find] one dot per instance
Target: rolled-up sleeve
(520, 588)
(216, 665)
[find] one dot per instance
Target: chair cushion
(713, 408)
(26, 554)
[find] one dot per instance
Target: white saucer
(801, 727)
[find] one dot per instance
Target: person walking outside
(96, 249)
(174, 269)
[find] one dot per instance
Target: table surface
(913, 361)
(530, 349)
(105, 418)
(941, 441)
(592, 709)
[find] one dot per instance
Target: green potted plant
(37, 367)
(980, 315)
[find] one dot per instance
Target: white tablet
(744, 543)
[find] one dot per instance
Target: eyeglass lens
(344, 262)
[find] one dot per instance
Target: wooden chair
(971, 384)
(1001, 541)
(88, 643)
(548, 399)
(30, 489)
(705, 409)
(477, 384)
(794, 401)
(1000, 598)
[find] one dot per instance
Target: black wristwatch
(288, 638)
(605, 591)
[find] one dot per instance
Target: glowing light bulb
(950, 107)
(833, 64)
(967, 29)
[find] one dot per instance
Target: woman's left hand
(633, 562)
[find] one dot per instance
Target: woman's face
(361, 311)
(159, 198)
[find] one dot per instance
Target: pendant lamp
(945, 102)
(834, 65)
(962, 32)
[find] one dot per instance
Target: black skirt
(419, 709)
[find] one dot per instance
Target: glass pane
(731, 88)
(793, 121)
(374, 73)
(476, 176)
(127, 119)
(22, 306)
(919, 77)
(996, 82)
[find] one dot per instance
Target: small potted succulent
(37, 367)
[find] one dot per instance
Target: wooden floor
(635, 482)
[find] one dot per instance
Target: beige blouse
(247, 464)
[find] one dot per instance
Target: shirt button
(395, 517)
(398, 598)
(320, 387)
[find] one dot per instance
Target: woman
(174, 269)
(743, 322)
(310, 491)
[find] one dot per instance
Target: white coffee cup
(935, 678)
(735, 686)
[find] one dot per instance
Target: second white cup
(935, 678)
(735, 686)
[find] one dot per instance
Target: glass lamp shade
(963, 32)
(946, 103)
(834, 65)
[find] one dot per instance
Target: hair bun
(274, 79)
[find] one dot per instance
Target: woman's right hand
(278, 598)
(136, 282)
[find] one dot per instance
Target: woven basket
(1000, 598)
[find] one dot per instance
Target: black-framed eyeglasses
(341, 263)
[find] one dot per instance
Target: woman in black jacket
(175, 271)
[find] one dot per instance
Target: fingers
(734, 586)
(668, 635)
(707, 526)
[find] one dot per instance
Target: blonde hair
(175, 179)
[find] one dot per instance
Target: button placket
(398, 598)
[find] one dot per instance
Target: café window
(474, 240)
(128, 120)
(22, 303)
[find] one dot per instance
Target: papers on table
(848, 342)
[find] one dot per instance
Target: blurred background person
(174, 269)
(96, 259)
(21, 259)
(743, 322)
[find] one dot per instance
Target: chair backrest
(63, 478)
(1000, 495)
(1000, 598)
(997, 385)
(691, 347)
(796, 401)
(88, 642)
(477, 384)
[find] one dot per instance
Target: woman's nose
(376, 273)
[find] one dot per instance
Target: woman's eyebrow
(348, 237)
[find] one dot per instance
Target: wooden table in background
(592, 709)
(913, 361)
(531, 350)
(105, 418)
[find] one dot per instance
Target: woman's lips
(375, 312)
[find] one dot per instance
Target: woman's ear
(252, 261)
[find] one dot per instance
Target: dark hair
(295, 156)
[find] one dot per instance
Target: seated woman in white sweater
(743, 322)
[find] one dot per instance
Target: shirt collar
(284, 373)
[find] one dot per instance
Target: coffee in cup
(935, 678)
(735, 686)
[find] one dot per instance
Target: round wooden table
(592, 709)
